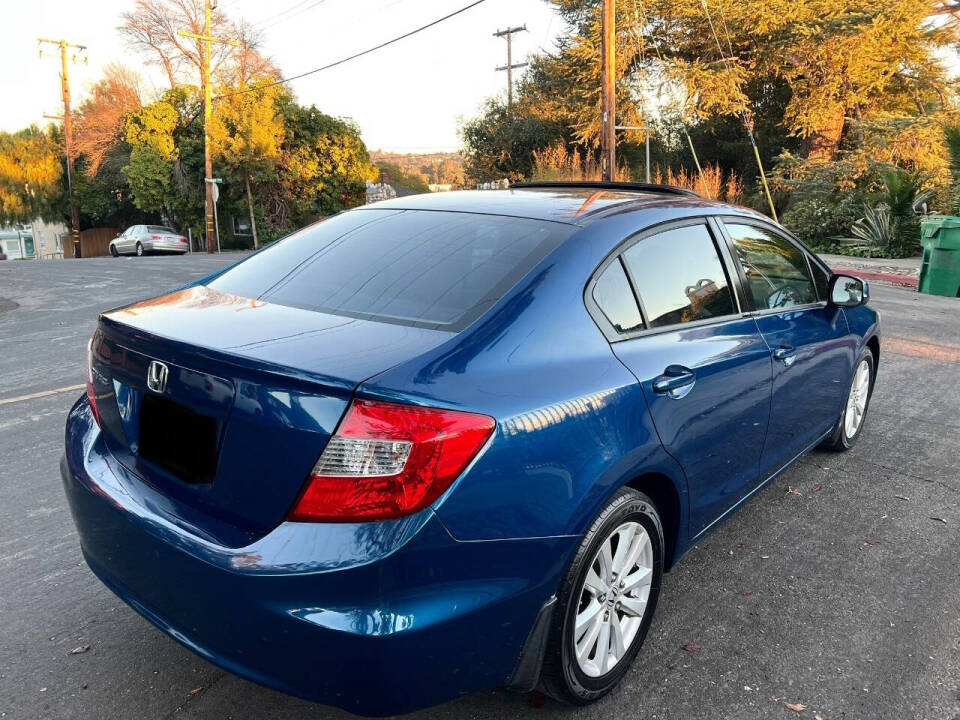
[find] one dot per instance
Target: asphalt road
(836, 588)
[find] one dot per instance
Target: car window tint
(679, 276)
(615, 299)
(160, 229)
(422, 268)
(777, 272)
(261, 271)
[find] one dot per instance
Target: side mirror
(848, 291)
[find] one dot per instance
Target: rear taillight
(156, 237)
(91, 393)
(387, 460)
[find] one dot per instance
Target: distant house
(40, 239)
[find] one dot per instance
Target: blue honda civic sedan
(453, 441)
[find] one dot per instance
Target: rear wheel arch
(663, 492)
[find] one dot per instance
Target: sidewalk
(904, 272)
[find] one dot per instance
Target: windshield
(413, 267)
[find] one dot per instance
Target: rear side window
(423, 268)
(680, 277)
(615, 299)
(777, 272)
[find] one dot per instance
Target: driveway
(835, 590)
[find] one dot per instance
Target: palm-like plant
(877, 228)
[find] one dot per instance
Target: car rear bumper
(164, 246)
(374, 618)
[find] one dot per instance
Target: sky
(406, 98)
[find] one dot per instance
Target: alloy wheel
(613, 599)
(857, 399)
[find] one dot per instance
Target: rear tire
(139, 250)
(606, 601)
(850, 425)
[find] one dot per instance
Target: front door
(809, 341)
(704, 368)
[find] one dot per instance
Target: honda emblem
(157, 376)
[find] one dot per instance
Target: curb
(908, 281)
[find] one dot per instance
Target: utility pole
(68, 131)
(208, 7)
(608, 135)
(510, 66)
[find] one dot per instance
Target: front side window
(777, 272)
(680, 277)
(615, 299)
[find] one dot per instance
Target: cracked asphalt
(837, 588)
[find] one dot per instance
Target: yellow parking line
(44, 393)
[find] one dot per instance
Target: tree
(499, 144)
(102, 118)
(398, 176)
(324, 165)
(840, 58)
(165, 171)
(31, 176)
(247, 132)
(153, 28)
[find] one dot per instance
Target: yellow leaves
(30, 174)
(152, 126)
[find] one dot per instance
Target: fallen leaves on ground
(873, 543)
(902, 497)
(938, 519)
(79, 650)
(817, 488)
(692, 647)
(796, 707)
(793, 491)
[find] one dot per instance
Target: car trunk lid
(223, 404)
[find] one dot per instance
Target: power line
(288, 14)
(355, 55)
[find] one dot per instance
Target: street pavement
(837, 588)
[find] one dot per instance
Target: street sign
(215, 192)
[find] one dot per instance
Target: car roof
(572, 203)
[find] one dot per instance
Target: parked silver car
(140, 239)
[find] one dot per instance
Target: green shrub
(817, 221)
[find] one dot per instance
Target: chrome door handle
(674, 379)
(786, 354)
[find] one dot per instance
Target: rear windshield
(413, 267)
(160, 229)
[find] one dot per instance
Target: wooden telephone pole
(208, 180)
(510, 66)
(67, 132)
(608, 135)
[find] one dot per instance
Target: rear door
(786, 291)
(704, 368)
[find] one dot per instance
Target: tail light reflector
(91, 392)
(387, 460)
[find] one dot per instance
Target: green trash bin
(940, 268)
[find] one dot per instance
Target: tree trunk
(253, 220)
(823, 143)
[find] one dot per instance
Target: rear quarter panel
(572, 422)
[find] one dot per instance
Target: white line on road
(44, 393)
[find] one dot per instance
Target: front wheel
(606, 601)
(850, 424)
(113, 251)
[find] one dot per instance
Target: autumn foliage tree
(30, 176)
